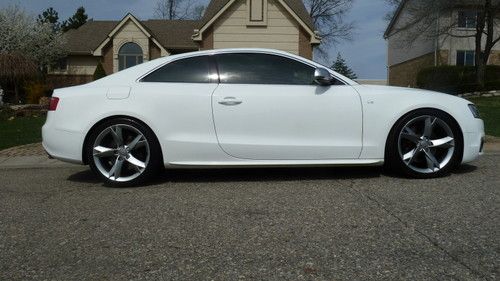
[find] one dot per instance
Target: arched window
(130, 54)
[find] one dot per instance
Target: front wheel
(426, 143)
(123, 152)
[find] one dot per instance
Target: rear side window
(189, 70)
(248, 68)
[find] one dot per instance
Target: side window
(188, 70)
(241, 68)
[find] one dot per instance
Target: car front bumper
(474, 142)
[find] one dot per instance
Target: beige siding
(281, 31)
(129, 32)
(78, 65)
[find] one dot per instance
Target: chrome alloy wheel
(426, 144)
(121, 153)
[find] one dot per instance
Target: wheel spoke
(136, 162)
(134, 143)
(432, 162)
(429, 124)
(101, 151)
(116, 132)
(116, 169)
(408, 157)
(444, 142)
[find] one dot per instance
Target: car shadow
(261, 174)
(247, 174)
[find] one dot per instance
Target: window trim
(212, 69)
(211, 55)
(341, 81)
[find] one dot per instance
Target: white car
(254, 107)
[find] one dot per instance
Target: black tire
(152, 164)
(395, 146)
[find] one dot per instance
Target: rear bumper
(63, 145)
(474, 142)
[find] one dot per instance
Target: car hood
(406, 92)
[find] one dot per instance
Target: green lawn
(20, 130)
(489, 108)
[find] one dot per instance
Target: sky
(366, 54)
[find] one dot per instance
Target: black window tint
(189, 70)
(263, 69)
(467, 19)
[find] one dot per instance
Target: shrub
(457, 79)
(34, 91)
(99, 72)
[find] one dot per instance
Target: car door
(177, 96)
(267, 107)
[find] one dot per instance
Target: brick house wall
(405, 74)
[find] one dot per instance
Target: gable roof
(394, 19)
(297, 7)
(173, 34)
(87, 37)
(170, 34)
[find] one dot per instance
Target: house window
(467, 19)
(130, 54)
(466, 58)
(60, 65)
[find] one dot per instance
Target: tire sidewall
(392, 151)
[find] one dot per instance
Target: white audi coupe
(254, 107)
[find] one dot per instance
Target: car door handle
(230, 101)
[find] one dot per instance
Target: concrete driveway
(252, 224)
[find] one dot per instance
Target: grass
(489, 108)
(20, 130)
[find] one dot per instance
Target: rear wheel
(123, 152)
(426, 143)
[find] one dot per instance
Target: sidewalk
(28, 156)
(33, 155)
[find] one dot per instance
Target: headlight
(474, 111)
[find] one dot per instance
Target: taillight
(53, 103)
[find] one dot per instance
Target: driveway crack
(421, 233)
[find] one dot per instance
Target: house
(278, 24)
(406, 60)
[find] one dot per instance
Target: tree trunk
(481, 74)
(480, 65)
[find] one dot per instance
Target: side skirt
(274, 163)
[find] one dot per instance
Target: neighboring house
(405, 60)
(278, 24)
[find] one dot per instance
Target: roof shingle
(171, 34)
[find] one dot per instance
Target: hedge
(457, 79)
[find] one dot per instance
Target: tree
(328, 17)
(340, 66)
(178, 10)
(433, 20)
(75, 21)
(99, 72)
(50, 16)
(26, 46)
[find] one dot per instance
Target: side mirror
(322, 77)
